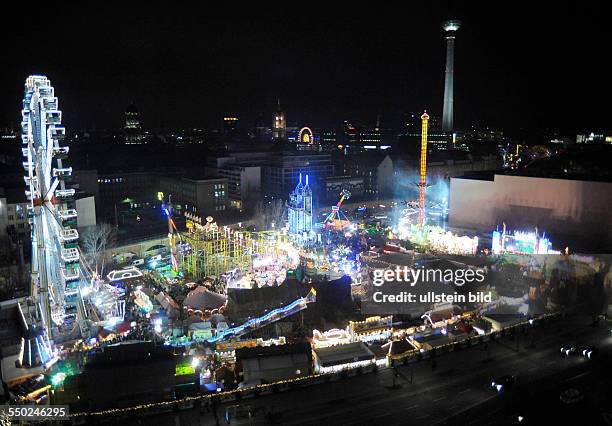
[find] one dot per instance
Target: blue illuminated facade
(299, 210)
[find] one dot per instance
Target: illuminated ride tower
(423, 168)
(172, 232)
(337, 219)
(450, 28)
(299, 212)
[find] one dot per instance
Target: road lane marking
(586, 373)
(411, 407)
(382, 415)
(439, 399)
(463, 391)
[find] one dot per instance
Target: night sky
(516, 68)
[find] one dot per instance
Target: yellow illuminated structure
(213, 251)
(371, 329)
(279, 124)
(306, 135)
(423, 168)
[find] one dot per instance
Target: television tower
(450, 28)
(423, 169)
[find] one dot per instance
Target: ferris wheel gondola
(53, 218)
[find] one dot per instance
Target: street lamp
(531, 334)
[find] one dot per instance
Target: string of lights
(303, 379)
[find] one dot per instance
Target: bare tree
(258, 216)
(95, 241)
(271, 212)
(275, 213)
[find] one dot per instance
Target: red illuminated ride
(336, 219)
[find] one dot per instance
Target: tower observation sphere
(451, 26)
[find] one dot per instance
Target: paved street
(459, 384)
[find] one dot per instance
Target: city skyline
(292, 216)
(323, 70)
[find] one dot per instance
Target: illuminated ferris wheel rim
(308, 133)
(55, 255)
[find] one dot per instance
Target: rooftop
(398, 347)
(275, 350)
(343, 354)
(581, 163)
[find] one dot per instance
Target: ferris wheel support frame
(55, 254)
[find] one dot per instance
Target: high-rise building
(414, 122)
(280, 172)
(351, 134)
(279, 124)
(370, 138)
(197, 193)
(262, 132)
(594, 137)
(132, 129)
(243, 182)
(375, 168)
(450, 28)
(230, 128)
(328, 137)
(437, 140)
(360, 137)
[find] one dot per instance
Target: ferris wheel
(55, 254)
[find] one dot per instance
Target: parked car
(156, 258)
